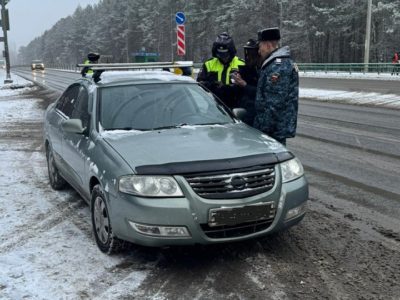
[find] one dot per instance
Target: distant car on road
(161, 161)
(37, 65)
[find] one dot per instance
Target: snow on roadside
(46, 247)
(47, 250)
(347, 75)
(359, 98)
(376, 99)
(58, 263)
(14, 107)
(20, 110)
(17, 87)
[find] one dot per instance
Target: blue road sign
(180, 18)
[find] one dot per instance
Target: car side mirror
(239, 113)
(73, 126)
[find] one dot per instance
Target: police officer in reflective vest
(93, 58)
(277, 89)
(216, 71)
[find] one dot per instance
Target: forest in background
(328, 31)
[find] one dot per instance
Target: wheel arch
(93, 182)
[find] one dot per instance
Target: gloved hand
(238, 80)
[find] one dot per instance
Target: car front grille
(221, 232)
(238, 184)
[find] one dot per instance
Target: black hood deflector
(192, 167)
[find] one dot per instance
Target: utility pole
(367, 36)
(172, 33)
(5, 24)
(127, 36)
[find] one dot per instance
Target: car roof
(110, 78)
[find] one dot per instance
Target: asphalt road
(347, 247)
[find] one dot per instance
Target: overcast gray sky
(30, 18)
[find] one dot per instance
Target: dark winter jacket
(277, 96)
(395, 58)
(248, 93)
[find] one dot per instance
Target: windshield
(155, 106)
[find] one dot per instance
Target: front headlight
(291, 169)
(150, 186)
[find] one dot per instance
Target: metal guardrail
(348, 67)
(341, 67)
(78, 67)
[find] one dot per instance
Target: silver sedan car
(161, 162)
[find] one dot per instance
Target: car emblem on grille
(238, 182)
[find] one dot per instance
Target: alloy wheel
(101, 220)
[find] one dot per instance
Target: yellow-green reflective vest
(214, 65)
(89, 71)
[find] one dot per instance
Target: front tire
(55, 178)
(105, 239)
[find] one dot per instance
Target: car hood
(190, 143)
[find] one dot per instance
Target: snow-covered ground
(18, 86)
(353, 75)
(359, 98)
(46, 247)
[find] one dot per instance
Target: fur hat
(269, 34)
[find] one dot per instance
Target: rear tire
(55, 178)
(105, 239)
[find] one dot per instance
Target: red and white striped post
(180, 38)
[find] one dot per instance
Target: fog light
(165, 231)
(296, 211)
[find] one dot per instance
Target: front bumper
(37, 67)
(192, 212)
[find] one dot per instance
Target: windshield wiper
(170, 126)
(121, 128)
(212, 123)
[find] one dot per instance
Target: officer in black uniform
(246, 80)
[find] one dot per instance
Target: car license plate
(241, 214)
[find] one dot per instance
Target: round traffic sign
(180, 18)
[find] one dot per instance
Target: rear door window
(80, 107)
(67, 101)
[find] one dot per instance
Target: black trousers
(396, 69)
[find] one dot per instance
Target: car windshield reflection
(158, 106)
